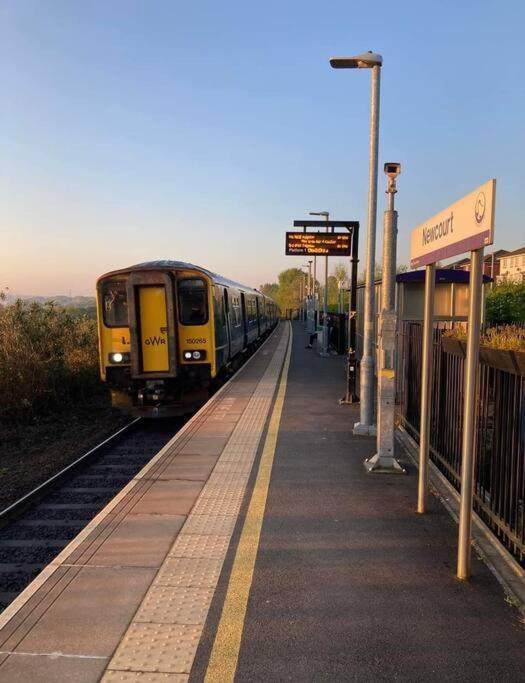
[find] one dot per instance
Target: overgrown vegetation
(505, 337)
(287, 291)
(48, 358)
(506, 304)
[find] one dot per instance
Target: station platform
(255, 547)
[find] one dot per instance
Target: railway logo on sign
(480, 207)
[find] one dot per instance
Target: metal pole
(325, 300)
(354, 260)
(351, 361)
(426, 386)
(300, 298)
(365, 425)
(305, 295)
(315, 290)
(468, 450)
(384, 461)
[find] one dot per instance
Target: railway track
(38, 526)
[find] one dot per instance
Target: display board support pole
(468, 450)
(426, 386)
(352, 364)
(324, 351)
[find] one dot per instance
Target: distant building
(512, 267)
(491, 263)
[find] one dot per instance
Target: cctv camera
(392, 169)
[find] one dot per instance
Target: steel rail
(20, 505)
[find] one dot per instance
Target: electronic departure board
(318, 244)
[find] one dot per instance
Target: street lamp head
(365, 61)
(319, 213)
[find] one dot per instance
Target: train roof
(182, 265)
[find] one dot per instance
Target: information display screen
(318, 244)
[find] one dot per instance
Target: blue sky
(134, 130)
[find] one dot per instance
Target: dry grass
(47, 358)
(505, 337)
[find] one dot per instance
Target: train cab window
(193, 308)
(115, 304)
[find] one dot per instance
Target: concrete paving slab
(171, 497)
(51, 669)
(184, 466)
(73, 624)
(140, 540)
(205, 445)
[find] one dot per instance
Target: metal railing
(499, 497)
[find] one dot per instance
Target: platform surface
(255, 547)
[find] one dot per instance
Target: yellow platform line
(225, 652)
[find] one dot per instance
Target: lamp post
(324, 351)
(373, 61)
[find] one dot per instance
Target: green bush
(48, 356)
(506, 304)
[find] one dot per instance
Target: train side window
(236, 312)
(193, 309)
(219, 308)
(115, 304)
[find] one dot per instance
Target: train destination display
(318, 244)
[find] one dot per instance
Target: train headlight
(119, 358)
(194, 355)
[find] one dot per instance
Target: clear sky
(140, 129)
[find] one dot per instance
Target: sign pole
(426, 386)
(324, 351)
(468, 450)
(315, 292)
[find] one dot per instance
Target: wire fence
(500, 437)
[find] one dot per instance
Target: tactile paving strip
(220, 525)
(141, 677)
(198, 572)
(157, 648)
(165, 632)
(216, 506)
(164, 605)
(197, 545)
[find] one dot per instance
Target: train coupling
(152, 393)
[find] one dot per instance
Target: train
(170, 332)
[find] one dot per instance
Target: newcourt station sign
(464, 226)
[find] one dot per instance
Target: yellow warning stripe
(225, 652)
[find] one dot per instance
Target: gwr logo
(154, 341)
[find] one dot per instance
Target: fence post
(426, 387)
(468, 447)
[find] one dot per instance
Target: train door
(244, 319)
(228, 322)
(152, 325)
(258, 311)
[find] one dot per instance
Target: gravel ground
(30, 454)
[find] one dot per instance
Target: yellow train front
(169, 331)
